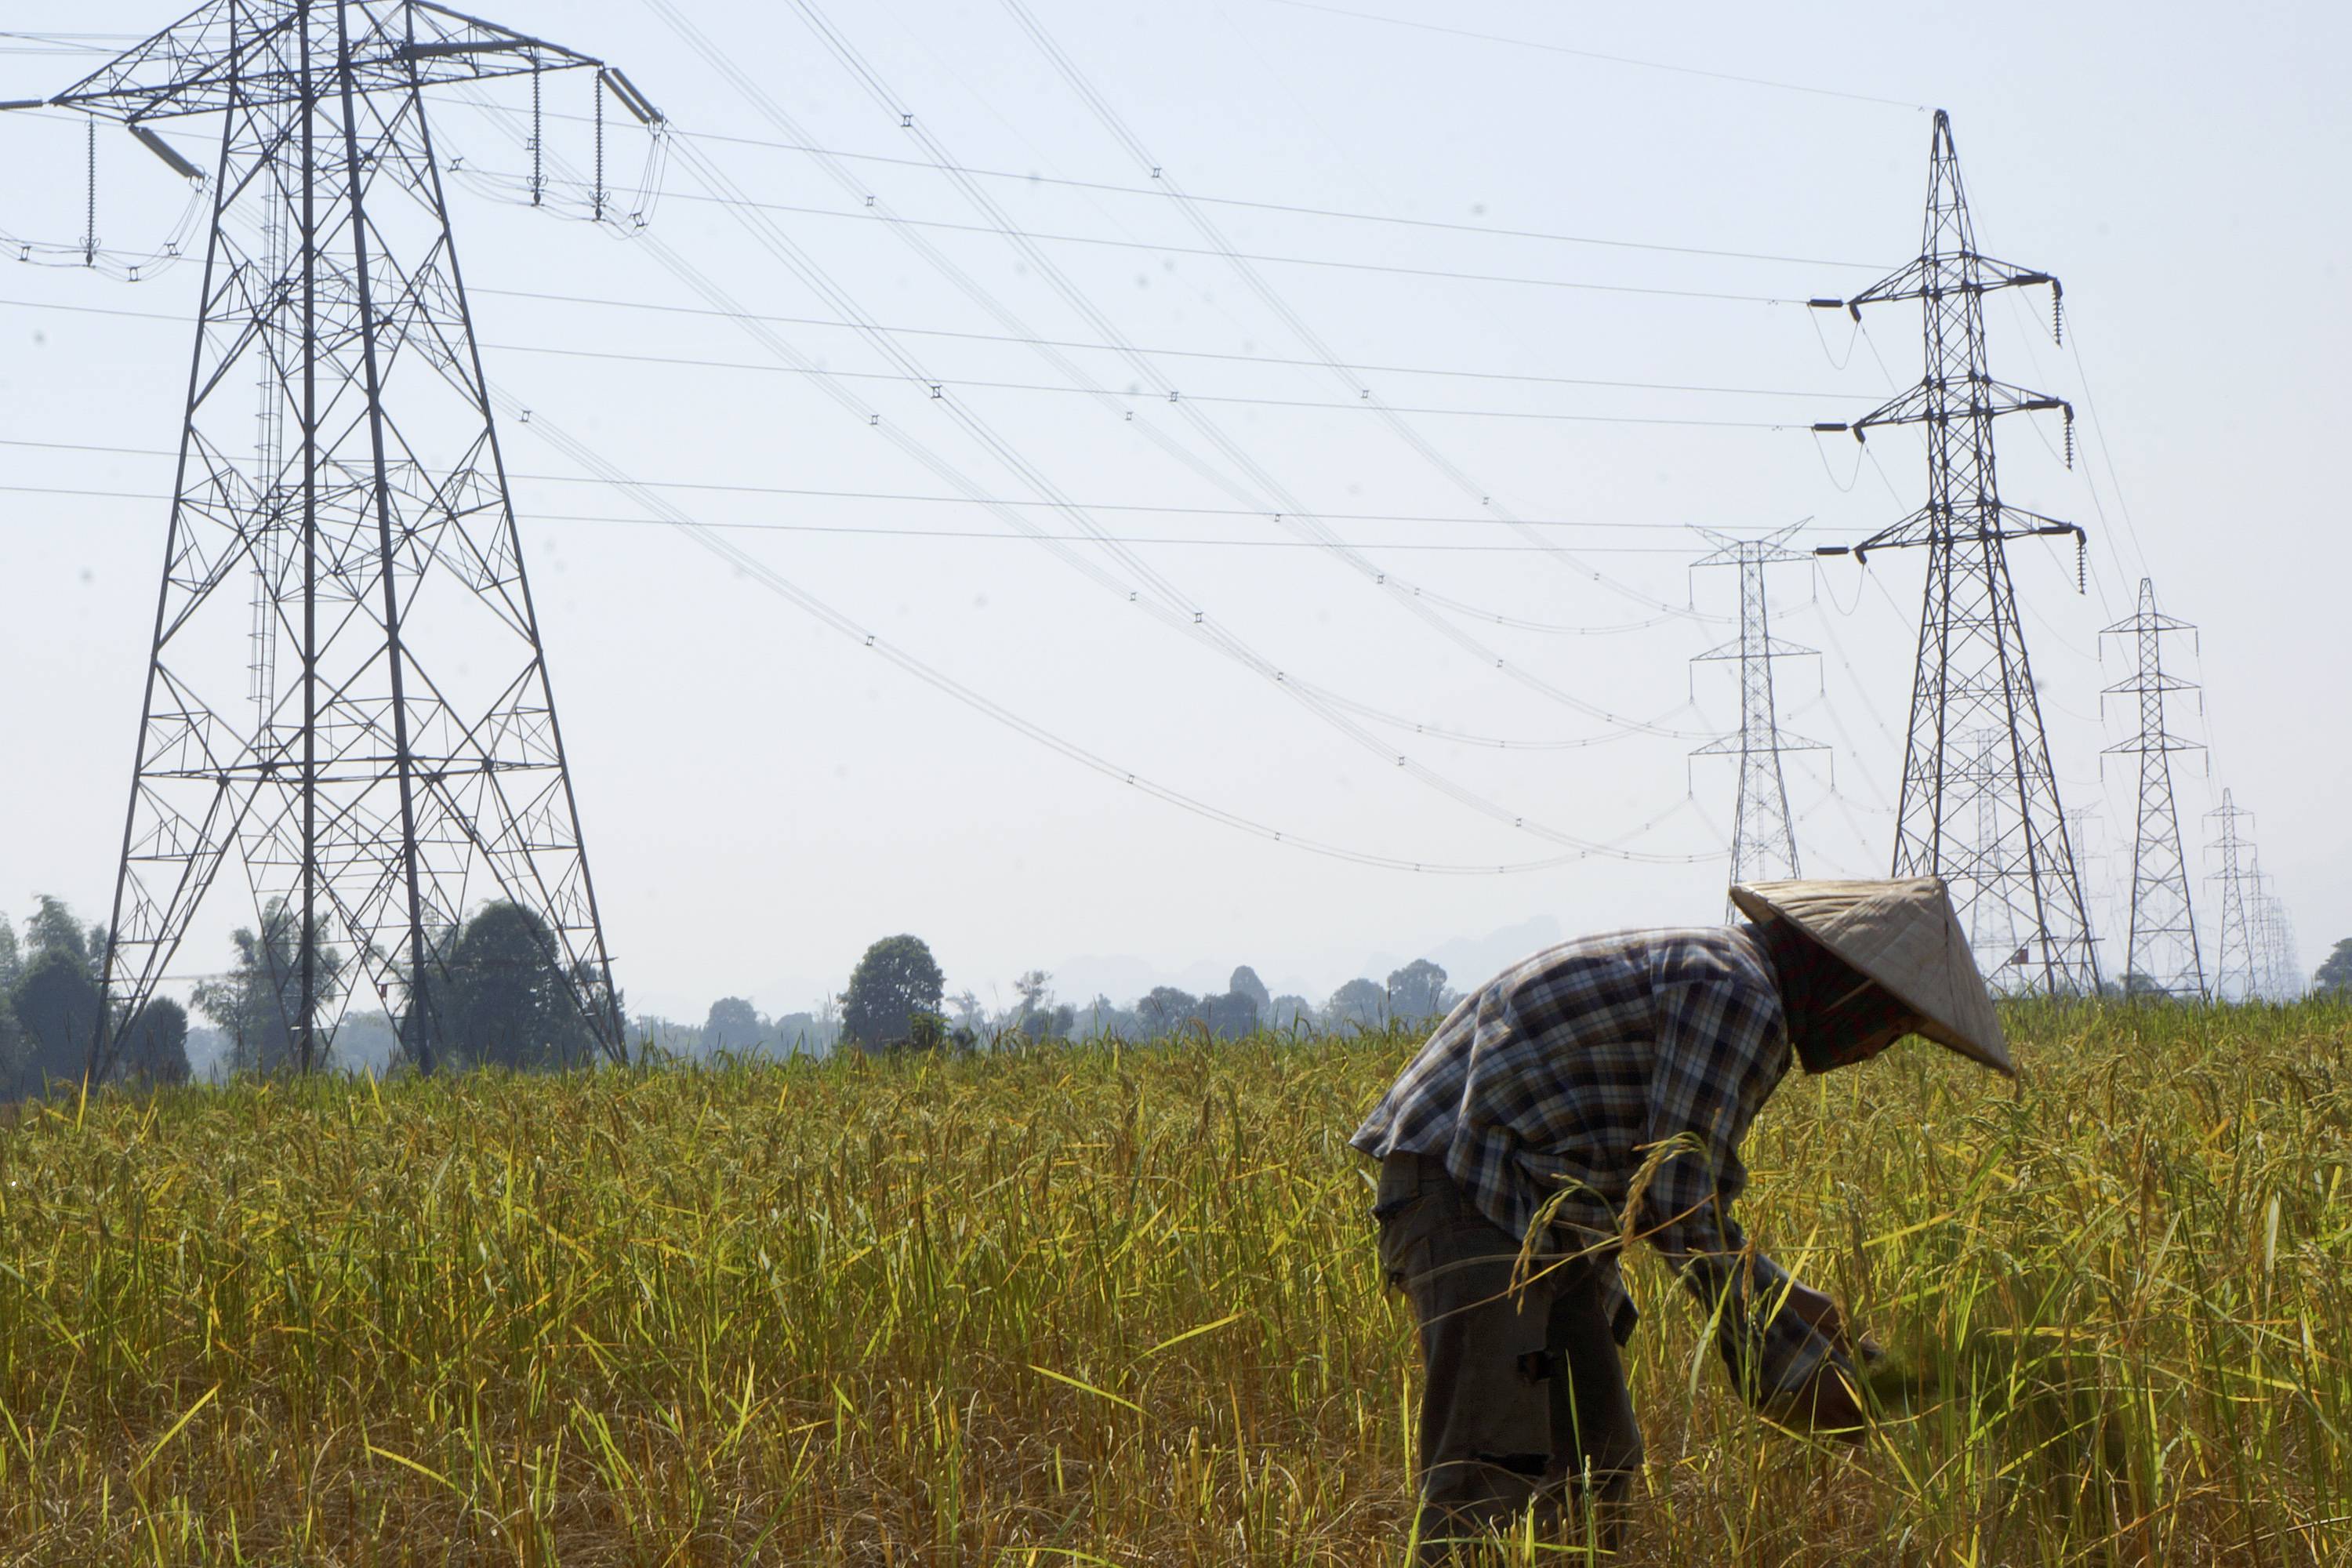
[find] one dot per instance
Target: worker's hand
(1822, 1314)
(1826, 1405)
(1817, 1310)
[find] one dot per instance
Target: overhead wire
(868, 531)
(1455, 275)
(757, 571)
(1290, 513)
(1164, 604)
(660, 307)
(1158, 509)
(1115, 125)
(788, 251)
(1161, 193)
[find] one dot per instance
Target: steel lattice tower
(2162, 949)
(2236, 973)
(1763, 835)
(1972, 673)
(410, 760)
(2277, 965)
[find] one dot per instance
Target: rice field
(1103, 1305)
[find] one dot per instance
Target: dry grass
(1120, 1306)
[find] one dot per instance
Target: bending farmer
(1622, 1071)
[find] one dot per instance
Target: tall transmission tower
(408, 761)
(2161, 952)
(1763, 836)
(2237, 975)
(1972, 673)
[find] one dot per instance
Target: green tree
(1245, 983)
(2334, 978)
(52, 928)
(1038, 1017)
(154, 1048)
(1418, 991)
(259, 1002)
(1229, 1015)
(894, 995)
(1359, 1004)
(503, 1000)
(1290, 1012)
(15, 1057)
(1164, 1008)
(733, 1026)
(56, 1004)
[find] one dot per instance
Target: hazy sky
(763, 795)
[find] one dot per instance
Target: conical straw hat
(1904, 935)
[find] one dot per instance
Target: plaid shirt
(1555, 1082)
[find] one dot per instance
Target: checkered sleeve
(1719, 1044)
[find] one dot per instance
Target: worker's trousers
(1524, 1409)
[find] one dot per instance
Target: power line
(1156, 508)
(867, 532)
(785, 248)
(1340, 264)
(1120, 132)
(775, 583)
(1163, 194)
(648, 305)
(1324, 405)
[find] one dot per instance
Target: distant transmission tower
(2161, 952)
(1972, 673)
(2237, 975)
(409, 762)
(2276, 961)
(1763, 836)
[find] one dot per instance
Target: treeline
(497, 996)
(895, 1000)
(50, 1003)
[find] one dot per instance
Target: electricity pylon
(413, 762)
(1972, 672)
(2237, 975)
(1763, 836)
(2277, 965)
(2161, 953)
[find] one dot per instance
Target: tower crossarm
(1779, 740)
(2162, 741)
(1931, 277)
(1938, 401)
(215, 58)
(1733, 551)
(1767, 647)
(2144, 682)
(1932, 525)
